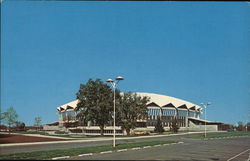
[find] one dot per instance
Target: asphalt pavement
(232, 149)
(19, 148)
(237, 148)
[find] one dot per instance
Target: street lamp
(114, 85)
(205, 106)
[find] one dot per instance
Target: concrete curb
(104, 152)
(64, 157)
(122, 150)
(229, 137)
(88, 154)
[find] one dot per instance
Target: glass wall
(168, 112)
(191, 113)
(67, 115)
(155, 112)
(182, 113)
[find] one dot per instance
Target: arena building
(165, 107)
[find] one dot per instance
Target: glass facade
(67, 115)
(182, 113)
(154, 112)
(167, 114)
(191, 114)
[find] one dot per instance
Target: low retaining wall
(194, 127)
(51, 128)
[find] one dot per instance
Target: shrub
(174, 126)
(158, 127)
(61, 132)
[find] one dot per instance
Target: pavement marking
(238, 155)
(104, 152)
(228, 137)
(64, 157)
(122, 150)
(88, 154)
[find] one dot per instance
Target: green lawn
(220, 135)
(63, 134)
(31, 132)
(83, 150)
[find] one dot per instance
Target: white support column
(187, 119)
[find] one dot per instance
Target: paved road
(31, 148)
(199, 150)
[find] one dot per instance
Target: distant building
(165, 107)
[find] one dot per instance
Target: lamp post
(114, 85)
(205, 106)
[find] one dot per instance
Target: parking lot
(234, 149)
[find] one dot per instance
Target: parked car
(231, 130)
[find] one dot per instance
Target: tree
(158, 127)
(240, 126)
(37, 122)
(20, 125)
(10, 117)
(95, 102)
(1, 115)
(174, 125)
(131, 107)
(248, 126)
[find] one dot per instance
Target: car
(230, 130)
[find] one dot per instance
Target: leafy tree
(37, 122)
(20, 125)
(240, 126)
(10, 117)
(174, 125)
(158, 127)
(130, 108)
(95, 102)
(248, 126)
(1, 115)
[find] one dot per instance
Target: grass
(220, 135)
(82, 150)
(30, 132)
(61, 132)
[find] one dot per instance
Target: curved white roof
(163, 100)
(158, 99)
(71, 104)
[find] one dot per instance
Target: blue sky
(196, 51)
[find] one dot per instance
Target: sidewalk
(93, 139)
(38, 135)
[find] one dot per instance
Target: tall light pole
(114, 85)
(205, 106)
